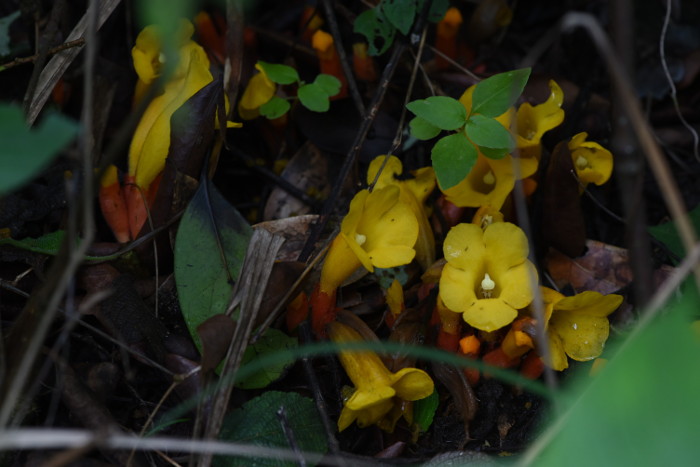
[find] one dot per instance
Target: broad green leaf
(443, 112)
(652, 381)
(257, 423)
(487, 132)
(424, 411)
(27, 151)
(313, 97)
(421, 129)
(5, 23)
(280, 74)
(376, 28)
(272, 341)
(400, 13)
(496, 94)
(437, 11)
(274, 108)
(494, 153)
(667, 234)
(453, 157)
(328, 84)
(200, 270)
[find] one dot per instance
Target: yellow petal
(489, 314)
(464, 246)
(373, 414)
(599, 160)
(258, 92)
(590, 303)
(392, 168)
(412, 384)
(339, 264)
(423, 183)
(457, 287)
(535, 121)
(363, 399)
(583, 336)
(517, 285)
(550, 297)
(506, 245)
(473, 191)
(557, 355)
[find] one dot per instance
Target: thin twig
(674, 96)
(59, 48)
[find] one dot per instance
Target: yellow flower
(487, 277)
(487, 215)
(377, 388)
(414, 192)
(593, 163)
(259, 91)
(151, 140)
(577, 326)
(378, 231)
(489, 182)
(533, 122)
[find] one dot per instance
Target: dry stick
(35, 320)
(59, 48)
(350, 159)
(234, 52)
(674, 97)
(59, 63)
(654, 306)
(251, 285)
(335, 31)
(644, 133)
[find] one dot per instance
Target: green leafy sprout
(454, 155)
(314, 96)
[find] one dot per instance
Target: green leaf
(257, 423)
(375, 27)
(200, 271)
(274, 108)
(496, 94)
(400, 13)
(5, 23)
(27, 151)
(487, 132)
(280, 74)
(652, 381)
(424, 411)
(667, 234)
(421, 129)
(328, 84)
(443, 112)
(453, 157)
(437, 11)
(272, 341)
(494, 153)
(313, 97)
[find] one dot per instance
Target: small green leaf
(400, 13)
(667, 233)
(280, 74)
(200, 272)
(494, 153)
(27, 151)
(487, 132)
(443, 112)
(257, 423)
(274, 108)
(437, 11)
(374, 26)
(453, 157)
(272, 341)
(496, 94)
(328, 84)
(424, 411)
(423, 130)
(313, 97)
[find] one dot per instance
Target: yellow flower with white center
(487, 277)
(592, 162)
(532, 122)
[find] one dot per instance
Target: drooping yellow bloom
(487, 277)
(414, 192)
(593, 163)
(259, 91)
(577, 326)
(377, 390)
(534, 121)
(151, 141)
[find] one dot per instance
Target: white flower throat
(487, 286)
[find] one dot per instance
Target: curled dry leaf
(215, 335)
(295, 231)
(604, 269)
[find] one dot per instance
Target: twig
(289, 434)
(674, 97)
(59, 48)
(335, 31)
